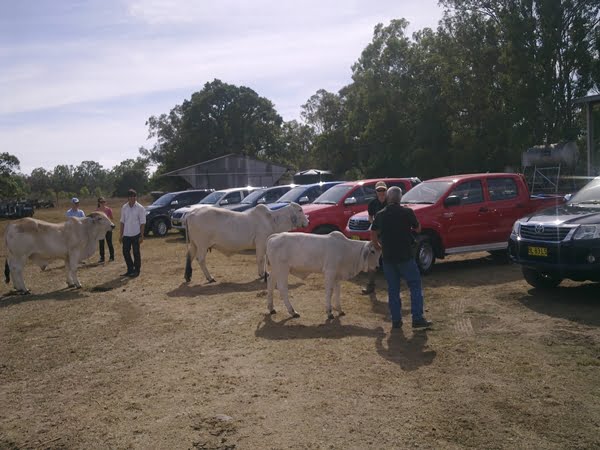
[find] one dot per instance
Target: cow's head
(100, 224)
(297, 216)
(370, 257)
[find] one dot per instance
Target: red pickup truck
(463, 214)
(331, 211)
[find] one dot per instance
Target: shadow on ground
(197, 290)
(579, 304)
(410, 353)
(288, 328)
(14, 298)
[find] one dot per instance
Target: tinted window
(273, 195)
(313, 193)
(502, 188)
(164, 200)
(253, 197)
(233, 197)
(469, 192)
(364, 194)
(212, 199)
(333, 195)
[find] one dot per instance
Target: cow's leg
(201, 257)
(16, 266)
(281, 275)
(71, 267)
(191, 254)
(260, 259)
(336, 298)
(270, 288)
(329, 286)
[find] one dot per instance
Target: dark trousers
(129, 243)
(111, 249)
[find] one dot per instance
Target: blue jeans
(394, 272)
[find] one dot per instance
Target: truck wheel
(540, 280)
(425, 254)
(324, 229)
(159, 228)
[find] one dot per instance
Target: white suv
(223, 197)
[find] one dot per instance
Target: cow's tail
(191, 254)
(6, 271)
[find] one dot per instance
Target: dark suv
(158, 213)
(561, 242)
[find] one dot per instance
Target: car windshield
(212, 198)
(427, 192)
(334, 195)
(292, 195)
(164, 200)
(253, 197)
(587, 195)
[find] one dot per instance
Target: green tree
(130, 174)
(40, 181)
(12, 184)
(219, 119)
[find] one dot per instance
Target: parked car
(264, 196)
(16, 209)
(303, 194)
(463, 214)
(158, 213)
(560, 242)
(224, 197)
(332, 209)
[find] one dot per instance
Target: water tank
(565, 154)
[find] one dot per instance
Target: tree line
(495, 78)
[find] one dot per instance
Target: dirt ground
(153, 363)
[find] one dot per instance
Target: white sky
(80, 78)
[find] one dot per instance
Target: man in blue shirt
(75, 211)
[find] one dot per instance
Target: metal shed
(230, 171)
(590, 102)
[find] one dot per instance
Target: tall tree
(219, 119)
(130, 174)
(11, 183)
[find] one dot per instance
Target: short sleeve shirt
(107, 211)
(375, 206)
(131, 218)
(72, 213)
(394, 224)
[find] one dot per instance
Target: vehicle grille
(545, 233)
(359, 225)
(176, 215)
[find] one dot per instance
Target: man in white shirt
(133, 219)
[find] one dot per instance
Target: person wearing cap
(375, 205)
(108, 238)
(393, 231)
(133, 221)
(74, 211)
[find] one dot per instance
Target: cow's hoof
(71, 285)
(188, 279)
(330, 316)
(342, 313)
(272, 312)
(24, 292)
(44, 267)
(212, 280)
(295, 315)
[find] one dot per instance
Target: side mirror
(175, 202)
(303, 200)
(452, 200)
(350, 201)
(261, 201)
(568, 197)
(224, 202)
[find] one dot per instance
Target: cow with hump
(41, 242)
(300, 254)
(231, 232)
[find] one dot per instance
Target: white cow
(336, 256)
(73, 241)
(231, 232)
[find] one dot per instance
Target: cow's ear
(294, 219)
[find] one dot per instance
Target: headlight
(147, 212)
(587, 232)
(516, 229)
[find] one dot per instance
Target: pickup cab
(560, 242)
(332, 209)
(463, 214)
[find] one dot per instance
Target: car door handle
(483, 209)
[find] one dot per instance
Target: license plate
(537, 251)
(355, 237)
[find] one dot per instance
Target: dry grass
(155, 363)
